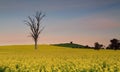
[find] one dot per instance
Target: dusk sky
(81, 21)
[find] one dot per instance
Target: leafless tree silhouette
(35, 26)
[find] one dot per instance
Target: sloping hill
(71, 45)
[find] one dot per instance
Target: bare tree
(35, 26)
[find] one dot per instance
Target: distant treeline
(114, 44)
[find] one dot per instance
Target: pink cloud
(93, 22)
(100, 23)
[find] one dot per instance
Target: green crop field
(23, 58)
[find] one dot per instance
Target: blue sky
(81, 21)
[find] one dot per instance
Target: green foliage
(69, 45)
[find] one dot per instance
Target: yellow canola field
(23, 58)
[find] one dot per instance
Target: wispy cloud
(52, 5)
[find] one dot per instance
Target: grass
(23, 58)
(70, 45)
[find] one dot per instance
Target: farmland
(23, 58)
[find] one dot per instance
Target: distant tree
(71, 42)
(115, 44)
(119, 45)
(101, 45)
(97, 46)
(35, 26)
(108, 47)
(87, 46)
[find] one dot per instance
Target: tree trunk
(35, 44)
